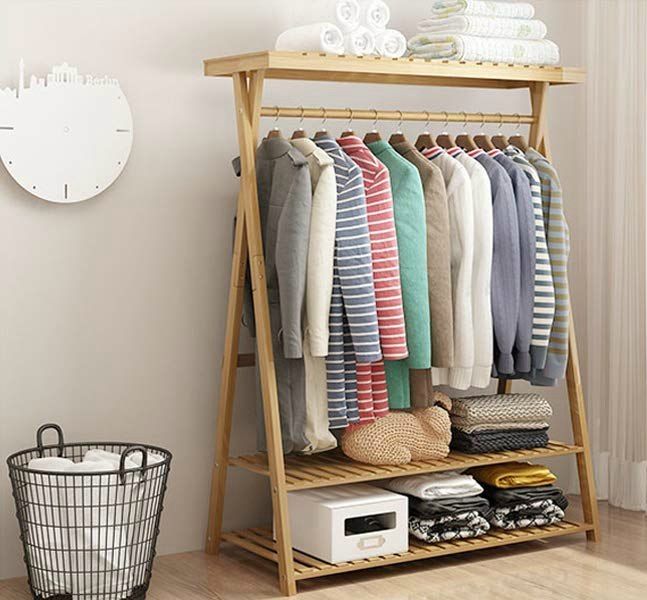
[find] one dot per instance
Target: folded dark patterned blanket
(522, 495)
(497, 441)
(449, 527)
(431, 509)
(532, 514)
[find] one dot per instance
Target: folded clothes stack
(474, 30)
(499, 422)
(521, 495)
(444, 506)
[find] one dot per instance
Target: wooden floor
(565, 567)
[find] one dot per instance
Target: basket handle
(39, 438)
(124, 456)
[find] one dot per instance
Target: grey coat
(285, 203)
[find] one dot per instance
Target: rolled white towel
(374, 14)
(482, 49)
(390, 43)
(317, 37)
(486, 8)
(50, 463)
(360, 42)
(528, 29)
(348, 14)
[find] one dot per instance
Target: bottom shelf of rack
(260, 542)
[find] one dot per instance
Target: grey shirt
(527, 255)
(506, 268)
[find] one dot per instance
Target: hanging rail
(372, 114)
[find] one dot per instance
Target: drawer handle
(374, 541)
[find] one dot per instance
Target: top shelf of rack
(314, 66)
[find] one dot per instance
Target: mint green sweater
(411, 229)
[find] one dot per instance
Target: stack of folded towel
(361, 30)
(476, 30)
(499, 422)
(444, 506)
(521, 495)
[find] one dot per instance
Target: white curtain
(616, 193)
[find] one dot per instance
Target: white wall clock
(65, 138)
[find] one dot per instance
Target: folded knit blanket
(513, 474)
(483, 49)
(450, 527)
(448, 484)
(486, 26)
(531, 514)
(498, 441)
(523, 495)
(430, 509)
(512, 10)
(499, 408)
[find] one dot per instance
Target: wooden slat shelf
(314, 66)
(260, 542)
(333, 468)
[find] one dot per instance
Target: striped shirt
(558, 241)
(544, 306)
(384, 248)
(354, 335)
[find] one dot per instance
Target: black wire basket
(89, 535)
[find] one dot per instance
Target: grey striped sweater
(354, 335)
(544, 301)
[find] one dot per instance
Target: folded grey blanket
(431, 509)
(449, 527)
(501, 497)
(498, 441)
(499, 409)
(531, 514)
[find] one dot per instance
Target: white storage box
(348, 522)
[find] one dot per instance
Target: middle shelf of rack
(334, 468)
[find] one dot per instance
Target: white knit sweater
(461, 224)
(482, 268)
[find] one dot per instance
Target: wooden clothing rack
(287, 473)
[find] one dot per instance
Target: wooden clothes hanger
(517, 139)
(424, 139)
(373, 136)
(398, 136)
(299, 133)
(500, 140)
(322, 133)
(482, 140)
(275, 132)
(465, 140)
(349, 129)
(445, 139)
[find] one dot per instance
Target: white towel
(448, 484)
(528, 29)
(347, 13)
(511, 10)
(317, 37)
(481, 49)
(360, 42)
(390, 43)
(374, 14)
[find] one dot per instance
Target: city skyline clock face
(65, 138)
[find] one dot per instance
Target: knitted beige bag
(400, 437)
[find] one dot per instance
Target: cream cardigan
(482, 268)
(321, 250)
(461, 226)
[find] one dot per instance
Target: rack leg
(248, 110)
(539, 140)
(228, 368)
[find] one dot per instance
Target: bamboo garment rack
(287, 473)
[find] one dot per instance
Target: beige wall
(111, 311)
